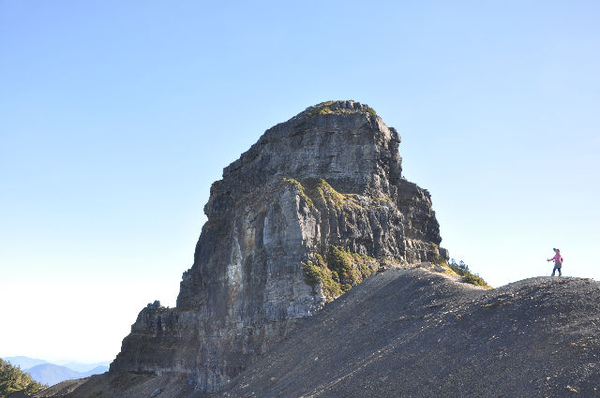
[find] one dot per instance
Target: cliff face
(313, 208)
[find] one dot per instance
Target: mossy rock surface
(338, 271)
(336, 107)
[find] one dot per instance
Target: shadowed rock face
(312, 209)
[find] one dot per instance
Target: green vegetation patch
(324, 108)
(319, 273)
(338, 271)
(13, 379)
(300, 188)
(445, 269)
(320, 191)
(463, 270)
(330, 195)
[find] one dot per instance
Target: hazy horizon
(57, 361)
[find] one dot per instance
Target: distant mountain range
(49, 373)
(24, 362)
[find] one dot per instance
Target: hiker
(558, 260)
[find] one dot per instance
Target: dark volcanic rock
(416, 334)
(312, 209)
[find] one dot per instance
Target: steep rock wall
(313, 208)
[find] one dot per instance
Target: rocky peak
(344, 141)
(335, 107)
(312, 209)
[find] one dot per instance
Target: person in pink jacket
(558, 260)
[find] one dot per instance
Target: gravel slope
(412, 333)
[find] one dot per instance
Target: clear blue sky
(117, 116)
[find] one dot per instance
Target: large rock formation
(312, 209)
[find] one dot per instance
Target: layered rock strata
(314, 207)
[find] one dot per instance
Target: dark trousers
(557, 267)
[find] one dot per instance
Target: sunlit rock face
(312, 209)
